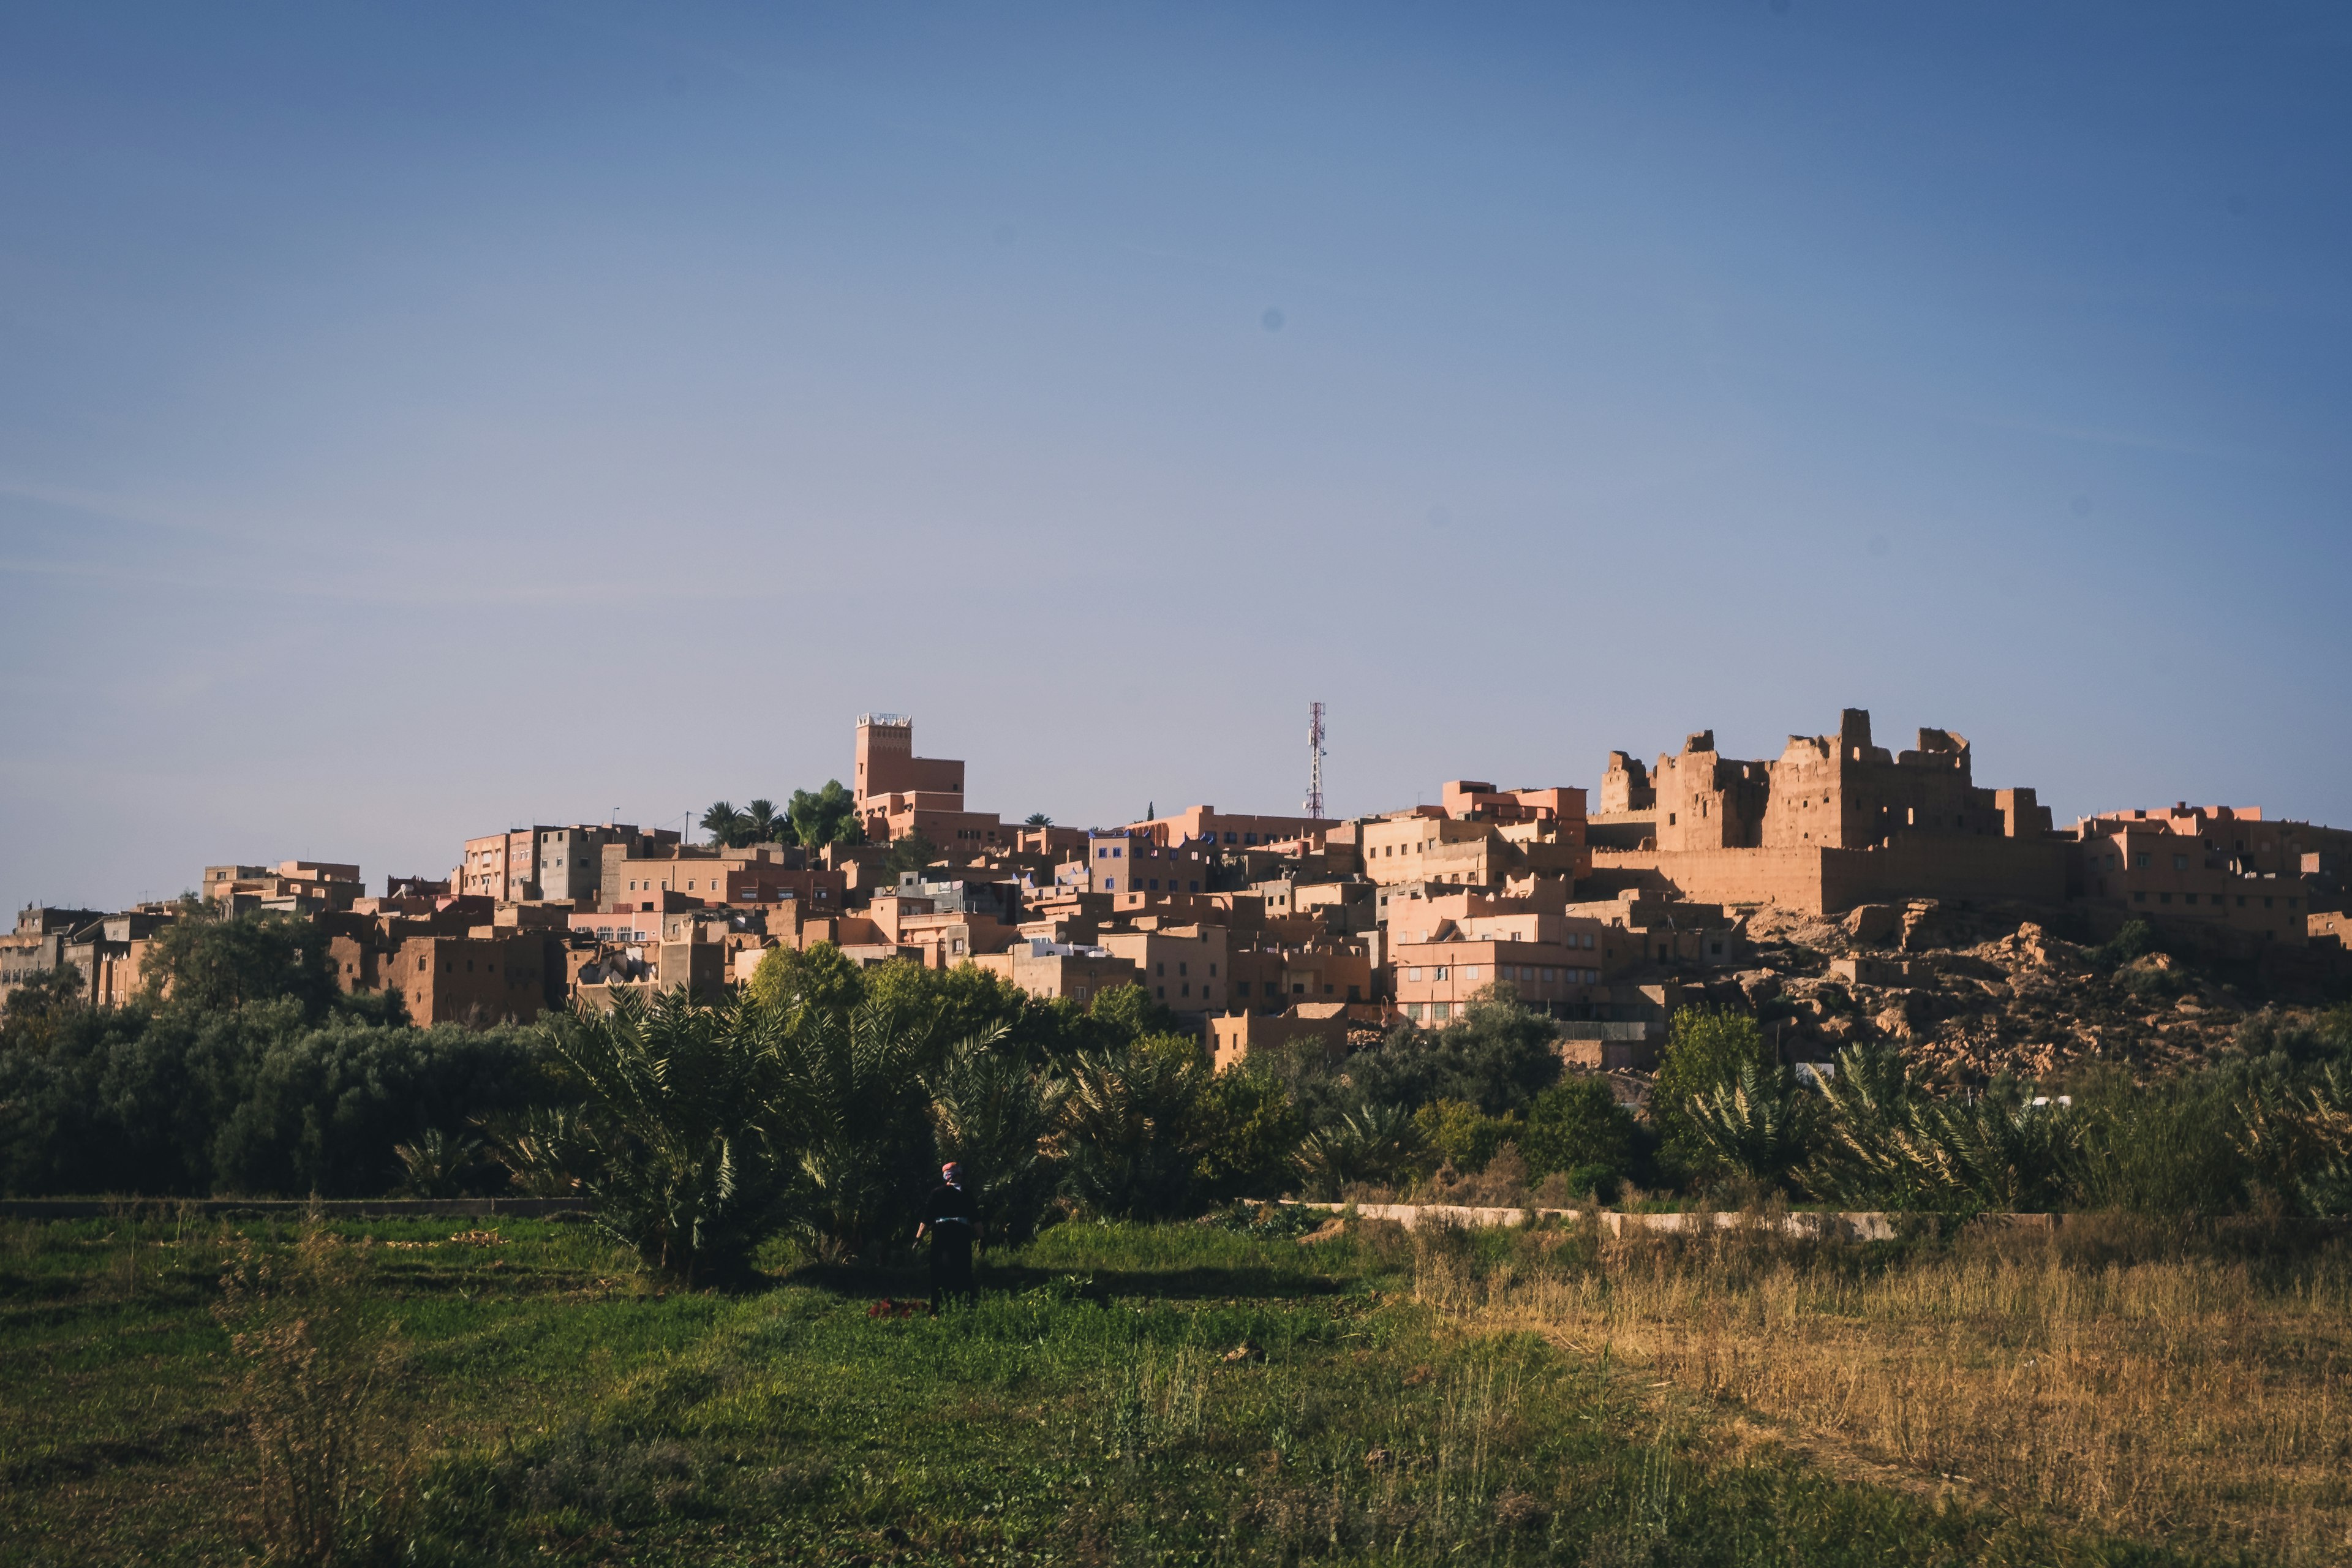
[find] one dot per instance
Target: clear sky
(419, 420)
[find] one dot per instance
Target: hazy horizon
(420, 421)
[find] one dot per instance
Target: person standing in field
(952, 1219)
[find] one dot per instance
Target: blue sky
(417, 421)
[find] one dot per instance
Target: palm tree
(724, 823)
(1367, 1145)
(828, 816)
(676, 1143)
(1037, 819)
(762, 824)
(990, 1113)
(1756, 1124)
(1131, 1127)
(853, 1081)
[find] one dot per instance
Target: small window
(2180, 862)
(1413, 974)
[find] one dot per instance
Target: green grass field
(553, 1405)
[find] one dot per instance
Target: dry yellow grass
(2154, 1386)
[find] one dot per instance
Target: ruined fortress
(1836, 821)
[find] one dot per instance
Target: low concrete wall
(1860, 1226)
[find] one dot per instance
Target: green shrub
(1133, 1127)
(1460, 1135)
(1577, 1127)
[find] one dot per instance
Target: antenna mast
(1314, 760)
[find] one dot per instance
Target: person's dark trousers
(952, 1266)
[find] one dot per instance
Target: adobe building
(898, 793)
(1494, 837)
(543, 862)
(2222, 868)
(300, 888)
(547, 862)
(1232, 1037)
(645, 880)
(1206, 824)
(36, 946)
(1836, 821)
(1042, 968)
(1129, 860)
(1184, 966)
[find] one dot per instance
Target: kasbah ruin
(1844, 891)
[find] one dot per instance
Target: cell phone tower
(1314, 760)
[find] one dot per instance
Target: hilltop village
(1841, 890)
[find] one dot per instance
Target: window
(1212, 971)
(1441, 972)
(2140, 861)
(1194, 886)
(1550, 975)
(2180, 862)
(1160, 968)
(2164, 898)
(1241, 988)
(1182, 968)
(1471, 972)
(1440, 1011)
(1413, 1011)
(1413, 974)
(2188, 898)
(1186, 988)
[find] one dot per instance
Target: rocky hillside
(1972, 993)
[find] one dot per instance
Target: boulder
(1873, 925)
